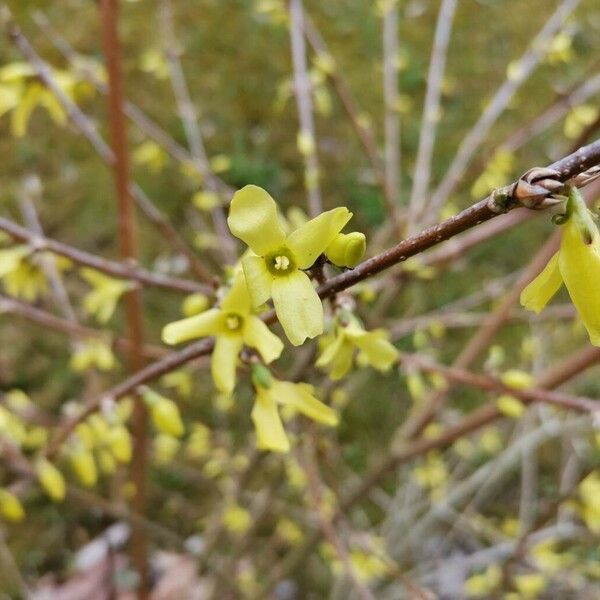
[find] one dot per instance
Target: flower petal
(270, 434)
(301, 397)
(253, 219)
(237, 299)
(258, 335)
(207, 323)
(224, 361)
(258, 279)
(308, 242)
(539, 292)
(378, 351)
(579, 265)
(298, 307)
(342, 362)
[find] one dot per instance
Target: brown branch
(115, 269)
(128, 244)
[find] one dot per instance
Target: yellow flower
(92, 353)
(51, 480)
(577, 264)
(276, 269)
(164, 413)
(11, 507)
(22, 278)
(233, 325)
(270, 392)
(101, 301)
(338, 349)
(84, 466)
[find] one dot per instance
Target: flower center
(280, 262)
(233, 322)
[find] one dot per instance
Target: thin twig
(115, 269)
(391, 98)
(431, 109)
(189, 120)
(303, 93)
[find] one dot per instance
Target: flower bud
(51, 480)
(165, 414)
(84, 467)
(119, 442)
(347, 249)
(11, 507)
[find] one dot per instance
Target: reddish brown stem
(128, 251)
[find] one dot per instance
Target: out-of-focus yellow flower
(164, 413)
(289, 531)
(50, 479)
(233, 325)
(180, 381)
(589, 494)
(236, 519)
(101, 301)
(338, 349)
(165, 448)
(206, 200)
(510, 406)
(21, 276)
(270, 392)
(578, 119)
(530, 585)
(276, 267)
(577, 264)
(199, 442)
(151, 155)
(153, 62)
(119, 442)
(11, 507)
(106, 461)
(84, 466)
(92, 353)
(483, 585)
(497, 172)
(194, 304)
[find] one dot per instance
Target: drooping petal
(207, 323)
(258, 279)
(379, 352)
(308, 242)
(579, 265)
(301, 397)
(342, 362)
(237, 298)
(298, 307)
(331, 345)
(253, 219)
(257, 335)
(224, 361)
(539, 292)
(337, 357)
(270, 434)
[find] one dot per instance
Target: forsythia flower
(276, 269)
(51, 480)
(92, 353)
(233, 325)
(577, 264)
(270, 392)
(11, 507)
(84, 466)
(102, 300)
(164, 413)
(338, 349)
(347, 249)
